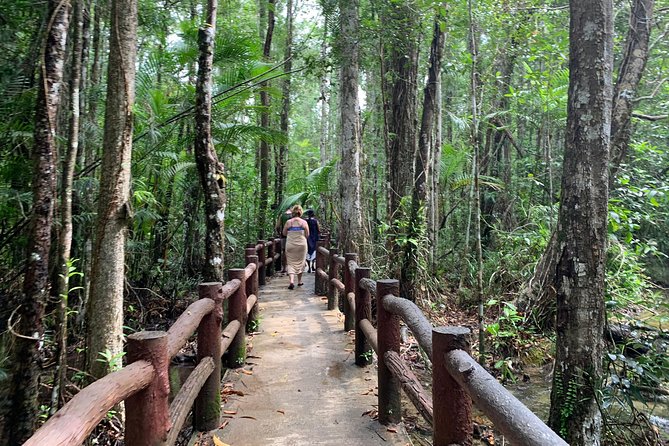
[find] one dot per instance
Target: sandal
(291, 286)
(300, 284)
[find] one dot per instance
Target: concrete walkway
(300, 386)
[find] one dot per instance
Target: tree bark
(582, 226)
(65, 242)
(422, 165)
(537, 295)
(401, 115)
(208, 166)
(351, 231)
(29, 314)
(629, 77)
(264, 123)
(280, 179)
(105, 306)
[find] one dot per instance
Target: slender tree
(66, 230)
(351, 232)
(264, 123)
(105, 306)
(280, 178)
(210, 169)
(582, 226)
(27, 320)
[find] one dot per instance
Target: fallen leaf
(223, 424)
(230, 412)
(218, 442)
(281, 412)
(247, 372)
(392, 429)
(249, 417)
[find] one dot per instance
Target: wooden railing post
(207, 411)
(278, 266)
(452, 404)
(148, 411)
(252, 288)
(237, 311)
(269, 271)
(389, 340)
(261, 259)
(363, 310)
(333, 273)
(320, 287)
(349, 287)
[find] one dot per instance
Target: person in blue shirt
(312, 240)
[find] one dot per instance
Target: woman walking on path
(312, 239)
(297, 231)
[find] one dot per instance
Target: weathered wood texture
(207, 411)
(77, 419)
(147, 411)
(186, 324)
(390, 408)
(363, 311)
(412, 387)
(414, 318)
(182, 403)
(349, 288)
(452, 405)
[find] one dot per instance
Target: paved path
(300, 384)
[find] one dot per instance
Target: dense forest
(506, 161)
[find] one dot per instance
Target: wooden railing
(144, 383)
(457, 379)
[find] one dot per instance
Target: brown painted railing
(457, 379)
(144, 383)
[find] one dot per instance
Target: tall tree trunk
(26, 357)
(325, 111)
(105, 306)
(401, 115)
(280, 179)
(65, 242)
(208, 166)
(422, 165)
(351, 231)
(582, 226)
(264, 123)
(537, 296)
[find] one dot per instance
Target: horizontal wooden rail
(183, 402)
(250, 302)
(137, 382)
(338, 284)
(519, 424)
(457, 378)
(186, 324)
(414, 318)
(411, 385)
(77, 419)
(370, 333)
(229, 333)
(249, 270)
(369, 285)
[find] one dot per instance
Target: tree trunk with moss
(208, 166)
(582, 226)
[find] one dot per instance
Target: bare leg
(299, 279)
(291, 276)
